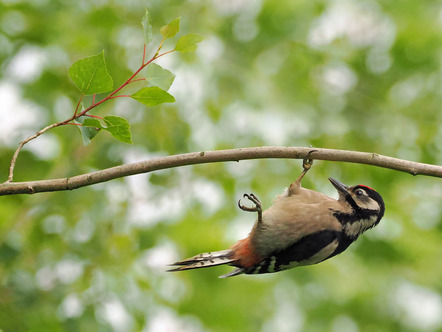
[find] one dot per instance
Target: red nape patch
(361, 185)
(244, 254)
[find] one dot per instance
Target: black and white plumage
(302, 227)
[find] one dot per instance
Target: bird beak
(340, 187)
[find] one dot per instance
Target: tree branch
(31, 187)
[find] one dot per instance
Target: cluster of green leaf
(92, 77)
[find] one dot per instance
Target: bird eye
(359, 192)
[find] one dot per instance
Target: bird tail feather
(238, 270)
(207, 259)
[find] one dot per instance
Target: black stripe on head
(376, 196)
(359, 212)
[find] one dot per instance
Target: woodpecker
(302, 227)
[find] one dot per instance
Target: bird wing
(311, 249)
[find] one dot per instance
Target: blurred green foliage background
(344, 74)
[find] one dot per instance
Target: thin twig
(31, 187)
(85, 111)
(22, 143)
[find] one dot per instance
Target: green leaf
(88, 130)
(158, 76)
(116, 126)
(119, 128)
(170, 30)
(88, 122)
(91, 75)
(152, 96)
(188, 43)
(147, 27)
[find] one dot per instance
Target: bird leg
(256, 208)
(307, 163)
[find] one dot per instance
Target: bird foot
(307, 163)
(256, 208)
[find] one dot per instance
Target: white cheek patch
(369, 204)
(360, 226)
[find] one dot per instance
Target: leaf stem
(78, 114)
(159, 47)
(137, 80)
(160, 55)
(78, 104)
(119, 96)
(94, 116)
(144, 55)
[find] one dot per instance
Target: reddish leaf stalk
(78, 104)
(144, 54)
(85, 111)
(93, 116)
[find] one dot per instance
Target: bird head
(367, 207)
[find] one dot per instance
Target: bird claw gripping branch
(302, 227)
(257, 208)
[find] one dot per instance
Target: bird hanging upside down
(302, 227)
